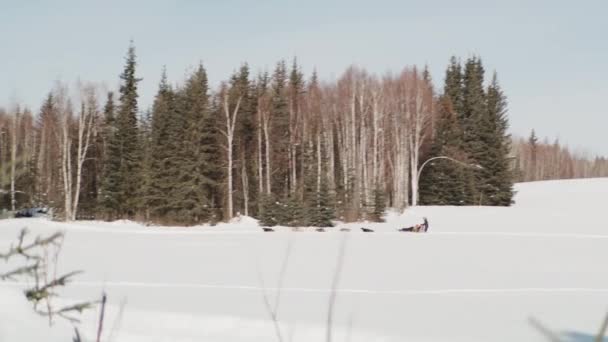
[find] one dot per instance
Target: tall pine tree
(279, 130)
(119, 194)
(197, 175)
(443, 182)
(109, 200)
(164, 164)
(499, 189)
(477, 131)
(319, 205)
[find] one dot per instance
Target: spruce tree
(310, 191)
(164, 164)
(325, 211)
(453, 87)
(533, 143)
(292, 213)
(533, 139)
(319, 207)
(107, 130)
(146, 166)
(499, 190)
(122, 181)
(217, 155)
(47, 114)
(280, 131)
(268, 211)
(379, 205)
(198, 167)
(109, 200)
(443, 182)
(477, 132)
(485, 139)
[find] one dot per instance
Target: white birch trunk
(318, 162)
(85, 128)
(14, 158)
(260, 162)
(329, 147)
(245, 181)
(66, 167)
(421, 115)
(267, 148)
(353, 149)
(229, 133)
(375, 138)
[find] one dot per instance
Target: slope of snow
(480, 274)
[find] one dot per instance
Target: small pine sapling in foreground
(40, 258)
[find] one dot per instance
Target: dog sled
(418, 228)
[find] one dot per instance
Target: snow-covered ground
(479, 274)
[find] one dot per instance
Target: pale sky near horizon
(551, 56)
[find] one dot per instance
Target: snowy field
(479, 274)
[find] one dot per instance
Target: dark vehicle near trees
(33, 212)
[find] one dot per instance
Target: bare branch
(602, 333)
(22, 250)
(25, 270)
(550, 335)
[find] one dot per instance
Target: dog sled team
(417, 228)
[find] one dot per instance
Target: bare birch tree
(264, 116)
(64, 140)
(86, 119)
(230, 116)
(418, 111)
(14, 139)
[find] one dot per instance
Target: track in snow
(455, 291)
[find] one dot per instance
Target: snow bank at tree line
(480, 274)
(547, 207)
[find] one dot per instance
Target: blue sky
(551, 56)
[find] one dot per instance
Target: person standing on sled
(425, 225)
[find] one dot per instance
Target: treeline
(280, 146)
(536, 160)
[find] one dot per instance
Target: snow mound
(585, 195)
(238, 223)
